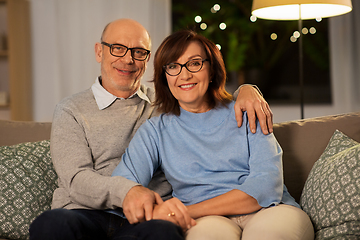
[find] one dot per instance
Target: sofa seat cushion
(27, 181)
(331, 195)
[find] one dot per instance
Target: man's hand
(174, 210)
(139, 204)
(250, 100)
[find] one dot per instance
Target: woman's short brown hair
(171, 49)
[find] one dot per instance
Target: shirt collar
(104, 99)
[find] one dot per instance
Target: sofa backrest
(303, 142)
(14, 132)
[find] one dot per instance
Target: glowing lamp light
(291, 9)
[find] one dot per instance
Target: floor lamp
(299, 10)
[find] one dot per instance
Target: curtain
(64, 33)
(345, 59)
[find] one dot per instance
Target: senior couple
(118, 145)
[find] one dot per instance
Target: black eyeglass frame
(127, 49)
(184, 65)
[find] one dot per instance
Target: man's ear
(148, 59)
(98, 52)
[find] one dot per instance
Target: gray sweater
(87, 144)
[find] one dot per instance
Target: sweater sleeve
(265, 180)
(141, 158)
(74, 164)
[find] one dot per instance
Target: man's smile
(125, 71)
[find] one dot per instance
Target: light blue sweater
(204, 155)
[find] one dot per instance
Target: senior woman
(226, 178)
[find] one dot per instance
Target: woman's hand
(175, 211)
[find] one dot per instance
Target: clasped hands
(142, 204)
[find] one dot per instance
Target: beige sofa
(302, 141)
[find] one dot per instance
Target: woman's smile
(187, 87)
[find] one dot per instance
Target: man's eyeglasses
(119, 50)
(193, 65)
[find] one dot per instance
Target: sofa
(320, 160)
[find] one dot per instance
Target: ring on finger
(171, 214)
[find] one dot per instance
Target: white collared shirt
(104, 99)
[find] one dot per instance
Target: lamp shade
(299, 9)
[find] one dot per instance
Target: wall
(4, 62)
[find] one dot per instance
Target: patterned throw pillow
(27, 181)
(331, 195)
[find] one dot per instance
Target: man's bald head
(125, 23)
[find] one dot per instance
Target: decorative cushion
(331, 195)
(27, 181)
